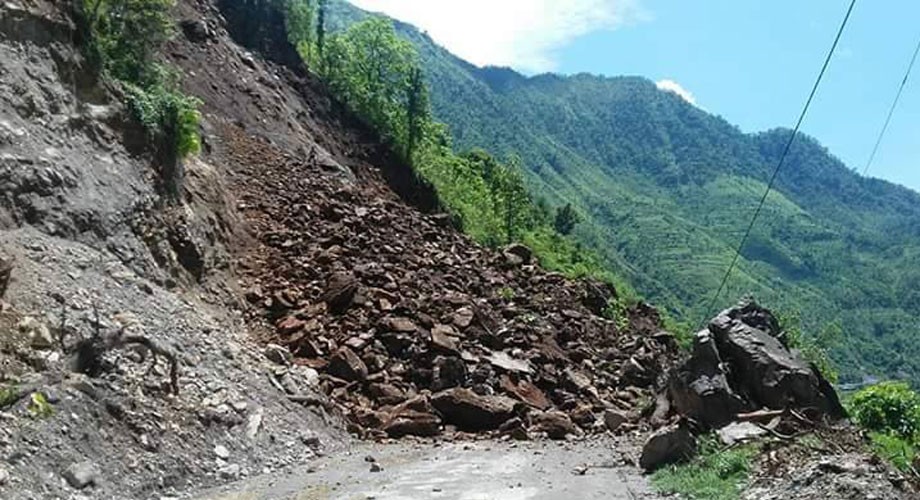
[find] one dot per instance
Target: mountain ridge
(667, 189)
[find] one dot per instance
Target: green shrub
(714, 474)
(125, 36)
(39, 407)
(888, 407)
(7, 395)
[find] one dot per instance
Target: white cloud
(672, 86)
(523, 34)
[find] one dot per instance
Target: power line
(894, 105)
(779, 165)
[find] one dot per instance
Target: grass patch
(7, 395)
(39, 407)
(895, 449)
(714, 474)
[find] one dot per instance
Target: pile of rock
(741, 367)
(416, 330)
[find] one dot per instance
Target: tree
(419, 110)
(321, 30)
(566, 219)
(127, 33)
(370, 67)
(300, 28)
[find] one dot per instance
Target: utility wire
(779, 165)
(894, 105)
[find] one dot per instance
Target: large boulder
(766, 371)
(700, 390)
(472, 412)
(668, 445)
(740, 363)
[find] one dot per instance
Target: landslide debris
(415, 329)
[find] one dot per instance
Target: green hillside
(667, 190)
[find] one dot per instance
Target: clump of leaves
(125, 38)
(618, 310)
(506, 293)
(39, 407)
(888, 407)
(7, 395)
(714, 474)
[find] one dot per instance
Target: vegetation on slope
(379, 76)
(666, 190)
(124, 37)
(716, 473)
(890, 411)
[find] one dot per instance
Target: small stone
(230, 472)
(346, 365)
(375, 467)
(38, 333)
(4, 476)
(81, 474)
(222, 452)
(614, 419)
(277, 354)
(255, 422)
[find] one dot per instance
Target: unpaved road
(463, 471)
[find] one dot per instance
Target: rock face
(470, 411)
(667, 445)
(740, 364)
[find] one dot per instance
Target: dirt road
(461, 471)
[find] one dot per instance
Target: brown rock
(386, 394)
(441, 342)
(526, 392)
(576, 381)
(290, 324)
(583, 415)
(414, 417)
(412, 423)
(472, 412)
(346, 365)
(517, 254)
(504, 361)
(555, 424)
(397, 324)
(340, 292)
(6, 271)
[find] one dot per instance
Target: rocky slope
(303, 284)
(390, 304)
(95, 248)
(288, 191)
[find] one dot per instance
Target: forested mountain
(666, 190)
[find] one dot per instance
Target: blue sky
(752, 62)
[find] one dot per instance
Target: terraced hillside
(667, 190)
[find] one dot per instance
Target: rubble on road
(390, 305)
